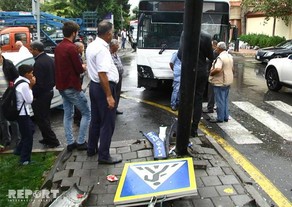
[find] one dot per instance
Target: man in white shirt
(104, 77)
(124, 37)
(22, 49)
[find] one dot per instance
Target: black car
(281, 50)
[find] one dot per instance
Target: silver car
(18, 60)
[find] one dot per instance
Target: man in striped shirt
(114, 46)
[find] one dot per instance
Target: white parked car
(278, 73)
(29, 60)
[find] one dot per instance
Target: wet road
(274, 156)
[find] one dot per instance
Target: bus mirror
(141, 18)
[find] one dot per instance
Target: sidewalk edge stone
(240, 173)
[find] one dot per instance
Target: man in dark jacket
(44, 71)
(205, 52)
(8, 73)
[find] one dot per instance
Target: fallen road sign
(163, 179)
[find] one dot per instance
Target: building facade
(248, 22)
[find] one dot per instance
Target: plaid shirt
(118, 63)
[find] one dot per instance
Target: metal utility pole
(36, 13)
(122, 19)
(191, 43)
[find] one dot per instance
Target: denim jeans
(71, 98)
(221, 98)
(175, 94)
(123, 42)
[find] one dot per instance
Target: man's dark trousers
(102, 123)
(211, 97)
(41, 109)
(26, 128)
(202, 78)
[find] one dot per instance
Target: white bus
(159, 28)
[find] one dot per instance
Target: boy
(24, 99)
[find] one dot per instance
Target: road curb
(241, 174)
(242, 54)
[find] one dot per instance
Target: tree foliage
(15, 5)
(271, 8)
(75, 8)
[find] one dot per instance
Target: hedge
(261, 40)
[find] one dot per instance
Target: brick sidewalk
(217, 182)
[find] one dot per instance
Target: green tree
(67, 8)
(135, 13)
(271, 8)
(74, 8)
(15, 5)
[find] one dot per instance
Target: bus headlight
(145, 72)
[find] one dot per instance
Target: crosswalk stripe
(268, 120)
(236, 131)
(281, 106)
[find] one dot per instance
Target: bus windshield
(161, 22)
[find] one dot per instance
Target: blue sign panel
(141, 181)
(158, 145)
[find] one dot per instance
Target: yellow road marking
(253, 172)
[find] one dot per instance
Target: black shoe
(215, 121)
(111, 160)
(49, 143)
(226, 120)
(82, 146)
(207, 111)
(71, 147)
(42, 141)
(53, 145)
(7, 144)
(91, 154)
(119, 112)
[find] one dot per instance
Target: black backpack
(9, 102)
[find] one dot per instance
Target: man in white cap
(221, 77)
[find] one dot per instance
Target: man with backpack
(8, 73)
